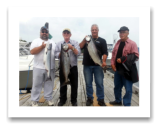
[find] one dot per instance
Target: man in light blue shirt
(73, 51)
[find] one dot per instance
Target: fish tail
(105, 68)
(65, 83)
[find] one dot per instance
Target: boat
(110, 48)
(25, 71)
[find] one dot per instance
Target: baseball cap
(124, 28)
(43, 27)
(67, 29)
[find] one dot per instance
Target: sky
(24, 21)
(29, 28)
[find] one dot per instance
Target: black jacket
(129, 70)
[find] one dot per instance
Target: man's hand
(113, 67)
(118, 60)
(103, 64)
(43, 45)
(70, 46)
(59, 55)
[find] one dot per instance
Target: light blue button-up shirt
(73, 57)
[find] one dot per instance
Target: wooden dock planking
(25, 99)
(68, 96)
(134, 101)
(79, 97)
(83, 94)
(134, 97)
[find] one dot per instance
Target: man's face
(94, 31)
(44, 34)
(124, 34)
(66, 34)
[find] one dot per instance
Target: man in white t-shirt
(39, 72)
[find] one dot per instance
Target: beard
(44, 37)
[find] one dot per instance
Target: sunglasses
(44, 32)
(66, 32)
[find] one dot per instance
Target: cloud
(80, 26)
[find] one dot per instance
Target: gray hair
(95, 25)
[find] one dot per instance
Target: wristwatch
(73, 48)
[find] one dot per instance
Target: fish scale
(64, 65)
(93, 52)
(47, 60)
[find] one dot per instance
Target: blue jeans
(98, 76)
(119, 82)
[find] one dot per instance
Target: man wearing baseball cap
(39, 72)
(73, 51)
(124, 50)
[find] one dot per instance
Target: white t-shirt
(38, 58)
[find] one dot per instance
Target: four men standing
(123, 47)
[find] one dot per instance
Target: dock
(25, 99)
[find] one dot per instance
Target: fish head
(65, 47)
(88, 38)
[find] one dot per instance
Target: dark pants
(119, 82)
(73, 77)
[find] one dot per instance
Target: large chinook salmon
(64, 65)
(47, 60)
(93, 52)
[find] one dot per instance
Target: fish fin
(68, 82)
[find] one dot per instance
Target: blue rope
(27, 79)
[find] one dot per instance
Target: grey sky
(80, 26)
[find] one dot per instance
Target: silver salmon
(93, 52)
(64, 65)
(47, 60)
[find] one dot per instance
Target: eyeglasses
(44, 32)
(123, 32)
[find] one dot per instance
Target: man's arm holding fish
(82, 43)
(36, 50)
(113, 59)
(75, 51)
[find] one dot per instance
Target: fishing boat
(25, 71)
(25, 65)
(110, 48)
